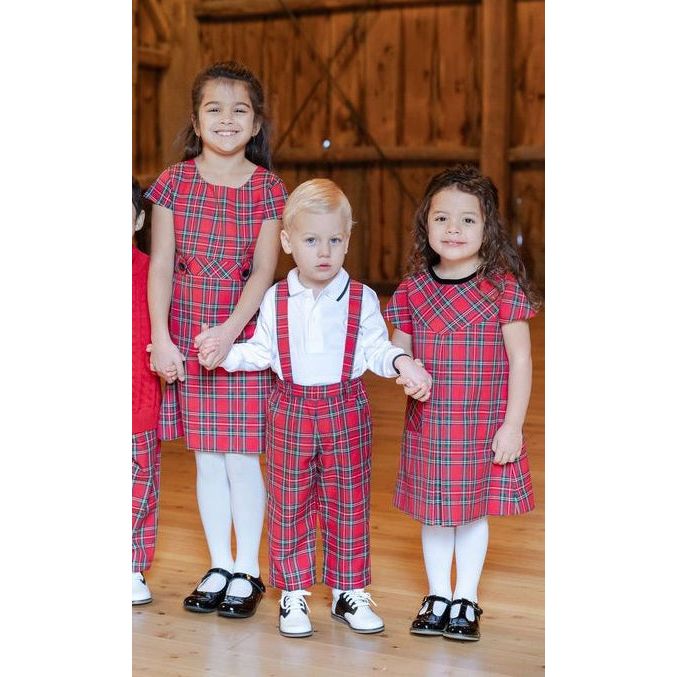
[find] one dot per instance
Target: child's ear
(256, 128)
(347, 240)
(284, 239)
(139, 220)
(196, 128)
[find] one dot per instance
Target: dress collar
(335, 289)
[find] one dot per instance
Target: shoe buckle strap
(465, 603)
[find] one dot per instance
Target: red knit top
(145, 384)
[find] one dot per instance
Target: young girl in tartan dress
(216, 219)
(319, 331)
(145, 409)
(463, 311)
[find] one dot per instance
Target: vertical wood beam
(497, 31)
(135, 78)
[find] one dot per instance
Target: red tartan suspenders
(282, 322)
(354, 312)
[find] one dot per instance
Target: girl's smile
(455, 231)
(226, 120)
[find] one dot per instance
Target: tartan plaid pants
(145, 497)
(319, 465)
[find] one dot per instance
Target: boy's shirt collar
(334, 289)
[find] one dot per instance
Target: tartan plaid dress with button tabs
(446, 475)
(319, 463)
(215, 228)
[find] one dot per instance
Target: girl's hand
(507, 444)
(213, 344)
(415, 379)
(167, 361)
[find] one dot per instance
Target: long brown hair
(497, 254)
(258, 147)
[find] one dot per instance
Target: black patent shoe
(428, 622)
(205, 602)
(460, 627)
(242, 607)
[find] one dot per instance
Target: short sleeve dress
(215, 228)
(446, 475)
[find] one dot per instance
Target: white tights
(230, 492)
(470, 542)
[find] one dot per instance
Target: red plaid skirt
(446, 474)
(215, 410)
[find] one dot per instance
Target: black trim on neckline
(449, 280)
(345, 289)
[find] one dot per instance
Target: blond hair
(317, 196)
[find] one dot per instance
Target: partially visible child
(320, 331)
(463, 311)
(145, 412)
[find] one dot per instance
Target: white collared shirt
(317, 332)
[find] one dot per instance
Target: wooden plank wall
(413, 72)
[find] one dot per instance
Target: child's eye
(440, 219)
(240, 110)
(469, 220)
(212, 109)
(336, 240)
(310, 240)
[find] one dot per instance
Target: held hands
(415, 379)
(507, 444)
(167, 361)
(213, 344)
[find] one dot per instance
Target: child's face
(226, 120)
(318, 243)
(455, 230)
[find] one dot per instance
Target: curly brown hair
(258, 147)
(497, 254)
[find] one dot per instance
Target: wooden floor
(170, 642)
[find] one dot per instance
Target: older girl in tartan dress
(463, 312)
(215, 245)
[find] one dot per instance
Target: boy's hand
(213, 344)
(507, 444)
(415, 379)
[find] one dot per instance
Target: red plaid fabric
(216, 228)
(319, 464)
(145, 497)
(446, 474)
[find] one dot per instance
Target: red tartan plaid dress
(215, 228)
(319, 463)
(446, 475)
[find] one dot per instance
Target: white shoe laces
(293, 601)
(360, 599)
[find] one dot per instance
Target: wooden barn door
(379, 95)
